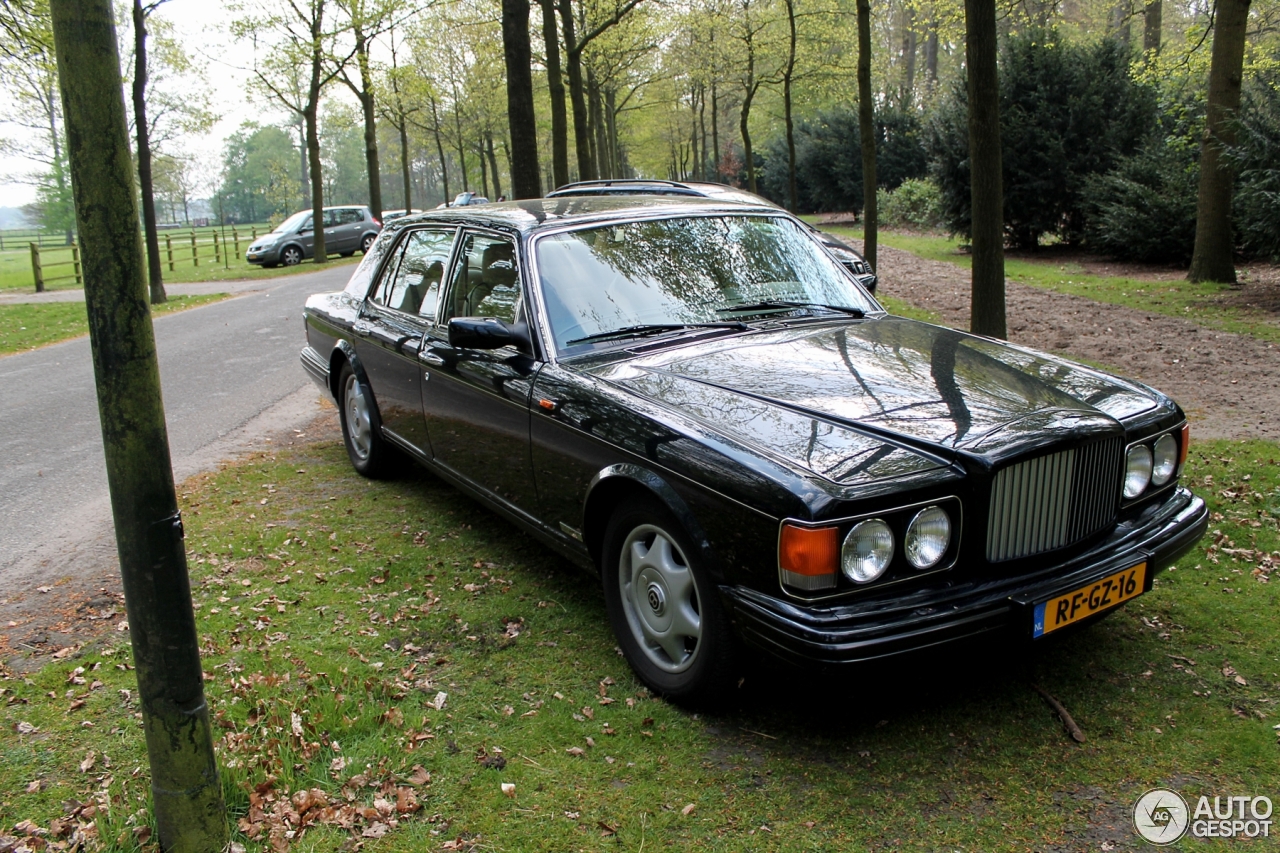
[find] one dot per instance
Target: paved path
(230, 377)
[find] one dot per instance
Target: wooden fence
(190, 248)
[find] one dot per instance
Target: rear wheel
(291, 256)
(664, 608)
(367, 243)
(361, 425)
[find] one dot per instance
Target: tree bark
(715, 134)
(444, 166)
(1213, 258)
(599, 147)
(368, 105)
(909, 60)
(931, 55)
(187, 796)
(555, 88)
(146, 184)
(310, 112)
(867, 133)
(1152, 26)
(789, 72)
(522, 121)
(493, 166)
(987, 310)
(577, 94)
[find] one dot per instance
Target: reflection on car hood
(828, 397)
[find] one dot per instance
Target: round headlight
(1137, 471)
(928, 536)
(867, 551)
(1166, 460)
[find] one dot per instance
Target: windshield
(293, 222)
(685, 271)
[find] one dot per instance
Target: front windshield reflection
(682, 271)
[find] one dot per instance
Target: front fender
(619, 479)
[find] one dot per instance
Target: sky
(200, 26)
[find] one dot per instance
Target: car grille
(1053, 501)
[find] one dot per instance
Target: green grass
(351, 604)
(1200, 303)
(26, 325)
(903, 308)
(15, 270)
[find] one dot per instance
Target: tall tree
(186, 794)
(987, 310)
(1153, 24)
(1213, 257)
(555, 88)
(306, 44)
(523, 124)
(867, 135)
(397, 111)
(788, 74)
(146, 184)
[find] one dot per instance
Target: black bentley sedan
(695, 400)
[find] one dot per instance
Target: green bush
(916, 203)
(1067, 111)
(1256, 158)
(1145, 209)
(829, 159)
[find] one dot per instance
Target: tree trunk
(931, 55)
(484, 174)
(367, 104)
(313, 134)
(744, 119)
(577, 94)
(715, 133)
(611, 133)
(555, 88)
(867, 136)
(909, 60)
(987, 313)
(522, 121)
(792, 191)
(1152, 20)
(189, 810)
(1213, 258)
(702, 131)
(404, 164)
(145, 183)
(599, 146)
(493, 167)
(444, 166)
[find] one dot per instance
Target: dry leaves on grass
(282, 818)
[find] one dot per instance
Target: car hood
(881, 397)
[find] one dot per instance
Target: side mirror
(304, 230)
(487, 333)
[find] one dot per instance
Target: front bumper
(269, 255)
(947, 611)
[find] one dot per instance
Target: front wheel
(360, 425)
(291, 256)
(664, 608)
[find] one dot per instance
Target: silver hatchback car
(347, 228)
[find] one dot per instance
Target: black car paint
(864, 415)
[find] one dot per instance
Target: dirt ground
(1227, 383)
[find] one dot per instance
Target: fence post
(75, 264)
(195, 251)
(217, 249)
(35, 265)
(168, 246)
(255, 232)
(235, 238)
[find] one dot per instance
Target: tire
(347, 254)
(367, 243)
(290, 256)
(270, 266)
(361, 426)
(664, 608)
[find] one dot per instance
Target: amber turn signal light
(809, 556)
(1183, 446)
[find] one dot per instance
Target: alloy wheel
(660, 598)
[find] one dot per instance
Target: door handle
(431, 359)
(362, 327)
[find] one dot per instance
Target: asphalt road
(229, 373)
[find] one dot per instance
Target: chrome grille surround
(1053, 501)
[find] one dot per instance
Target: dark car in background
(347, 229)
(693, 400)
(848, 256)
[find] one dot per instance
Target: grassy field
(1175, 298)
(397, 653)
(16, 272)
(25, 326)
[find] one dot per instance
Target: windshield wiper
(767, 304)
(644, 329)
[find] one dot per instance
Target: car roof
(532, 214)
(648, 186)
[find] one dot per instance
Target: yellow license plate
(1086, 601)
